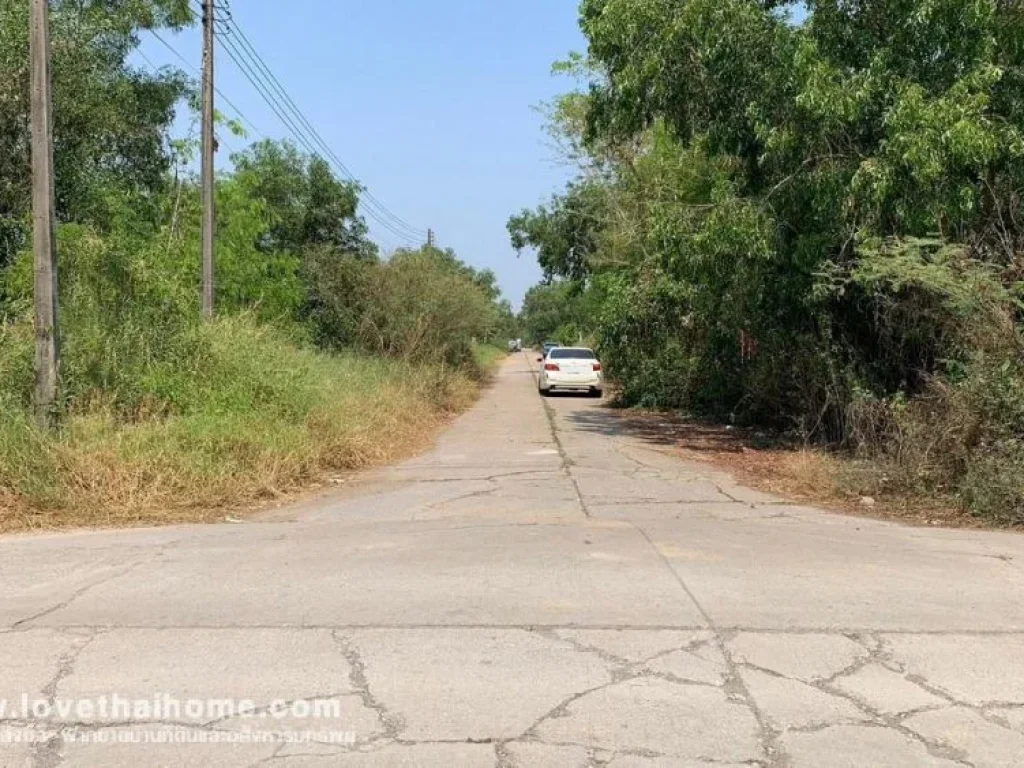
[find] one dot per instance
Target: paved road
(538, 590)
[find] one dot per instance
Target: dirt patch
(798, 473)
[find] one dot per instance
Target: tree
(308, 205)
(550, 313)
(330, 216)
(813, 225)
(111, 119)
(564, 233)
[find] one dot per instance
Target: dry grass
(275, 428)
(824, 479)
(806, 475)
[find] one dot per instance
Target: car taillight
(551, 367)
(597, 366)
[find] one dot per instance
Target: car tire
(543, 392)
(598, 393)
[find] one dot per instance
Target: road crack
(735, 688)
(47, 754)
(567, 462)
(392, 724)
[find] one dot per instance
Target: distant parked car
(571, 368)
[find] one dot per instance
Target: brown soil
(799, 473)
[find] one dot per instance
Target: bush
(258, 417)
(130, 331)
(166, 416)
(959, 439)
(993, 485)
(420, 306)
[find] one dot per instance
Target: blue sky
(429, 104)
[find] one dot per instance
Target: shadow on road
(659, 429)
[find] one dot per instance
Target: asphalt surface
(538, 590)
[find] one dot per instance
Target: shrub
(258, 417)
(419, 306)
(168, 417)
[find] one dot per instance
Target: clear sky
(430, 104)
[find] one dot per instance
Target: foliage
(307, 205)
(563, 234)
(110, 118)
(422, 306)
(160, 409)
(812, 225)
(553, 312)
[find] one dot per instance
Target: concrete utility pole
(47, 363)
(209, 202)
(430, 238)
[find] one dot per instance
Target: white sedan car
(574, 368)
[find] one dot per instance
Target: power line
(261, 87)
(194, 69)
(254, 68)
(156, 69)
(246, 44)
(291, 117)
(244, 40)
(148, 60)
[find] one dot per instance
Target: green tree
(308, 205)
(811, 225)
(563, 233)
(110, 119)
(421, 305)
(550, 313)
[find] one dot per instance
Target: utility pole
(209, 202)
(430, 238)
(47, 362)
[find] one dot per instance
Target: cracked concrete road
(538, 590)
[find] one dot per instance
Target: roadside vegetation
(805, 218)
(326, 355)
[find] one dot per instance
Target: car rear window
(562, 353)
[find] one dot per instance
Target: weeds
(260, 418)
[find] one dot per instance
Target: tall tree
(309, 206)
(110, 118)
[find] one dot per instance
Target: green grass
(256, 416)
(487, 358)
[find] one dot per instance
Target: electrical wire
(252, 66)
(196, 70)
(300, 125)
(156, 70)
(297, 132)
(256, 83)
(260, 62)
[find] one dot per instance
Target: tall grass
(487, 358)
(167, 418)
(256, 416)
